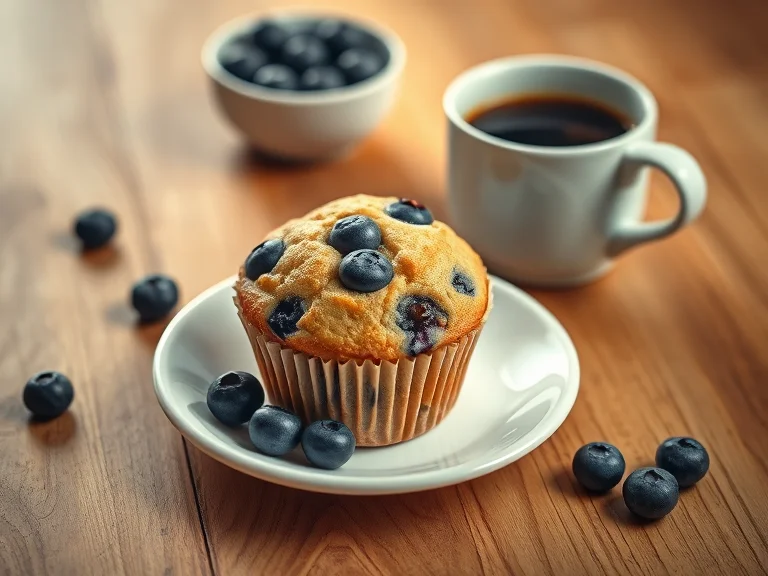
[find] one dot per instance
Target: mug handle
(689, 181)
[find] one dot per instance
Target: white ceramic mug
(556, 216)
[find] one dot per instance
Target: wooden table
(105, 103)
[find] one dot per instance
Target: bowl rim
(235, 26)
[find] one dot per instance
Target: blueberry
(321, 78)
(365, 271)
(358, 64)
(234, 396)
(264, 258)
(274, 431)
(328, 444)
(154, 297)
(355, 233)
(685, 458)
(242, 60)
(304, 51)
(48, 394)
(269, 36)
(410, 211)
(650, 492)
(462, 283)
(423, 322)
(598, 466)
(276, 76)
(285, 316)
(340, 36)
(95, 228)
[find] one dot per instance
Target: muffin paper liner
(381, 401)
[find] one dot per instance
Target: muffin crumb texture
(421, 288)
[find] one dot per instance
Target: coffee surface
(550, 120)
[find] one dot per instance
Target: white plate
(521, 384)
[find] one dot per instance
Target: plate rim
(323, 481)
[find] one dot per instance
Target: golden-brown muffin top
(311, 300)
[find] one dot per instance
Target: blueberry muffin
(365, 310)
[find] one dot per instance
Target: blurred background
(105, 103)
(108, 102)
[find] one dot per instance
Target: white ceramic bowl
(303, 125)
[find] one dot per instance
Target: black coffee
(550, 120)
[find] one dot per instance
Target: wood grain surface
(105, 103)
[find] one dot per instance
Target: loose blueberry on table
(650, 493)
(48, 394)
(685, 458)
(154, 297)
(328, 444)
(410, 211)
(365, 271)
(355, 232)
(234, 396)
(274, 431)
(423, 321)
(598, 466)
(95, 228)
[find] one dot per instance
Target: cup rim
(451, 93)
(235, 26)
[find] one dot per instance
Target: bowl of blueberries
(302, 86)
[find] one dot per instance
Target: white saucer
(521, 384)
